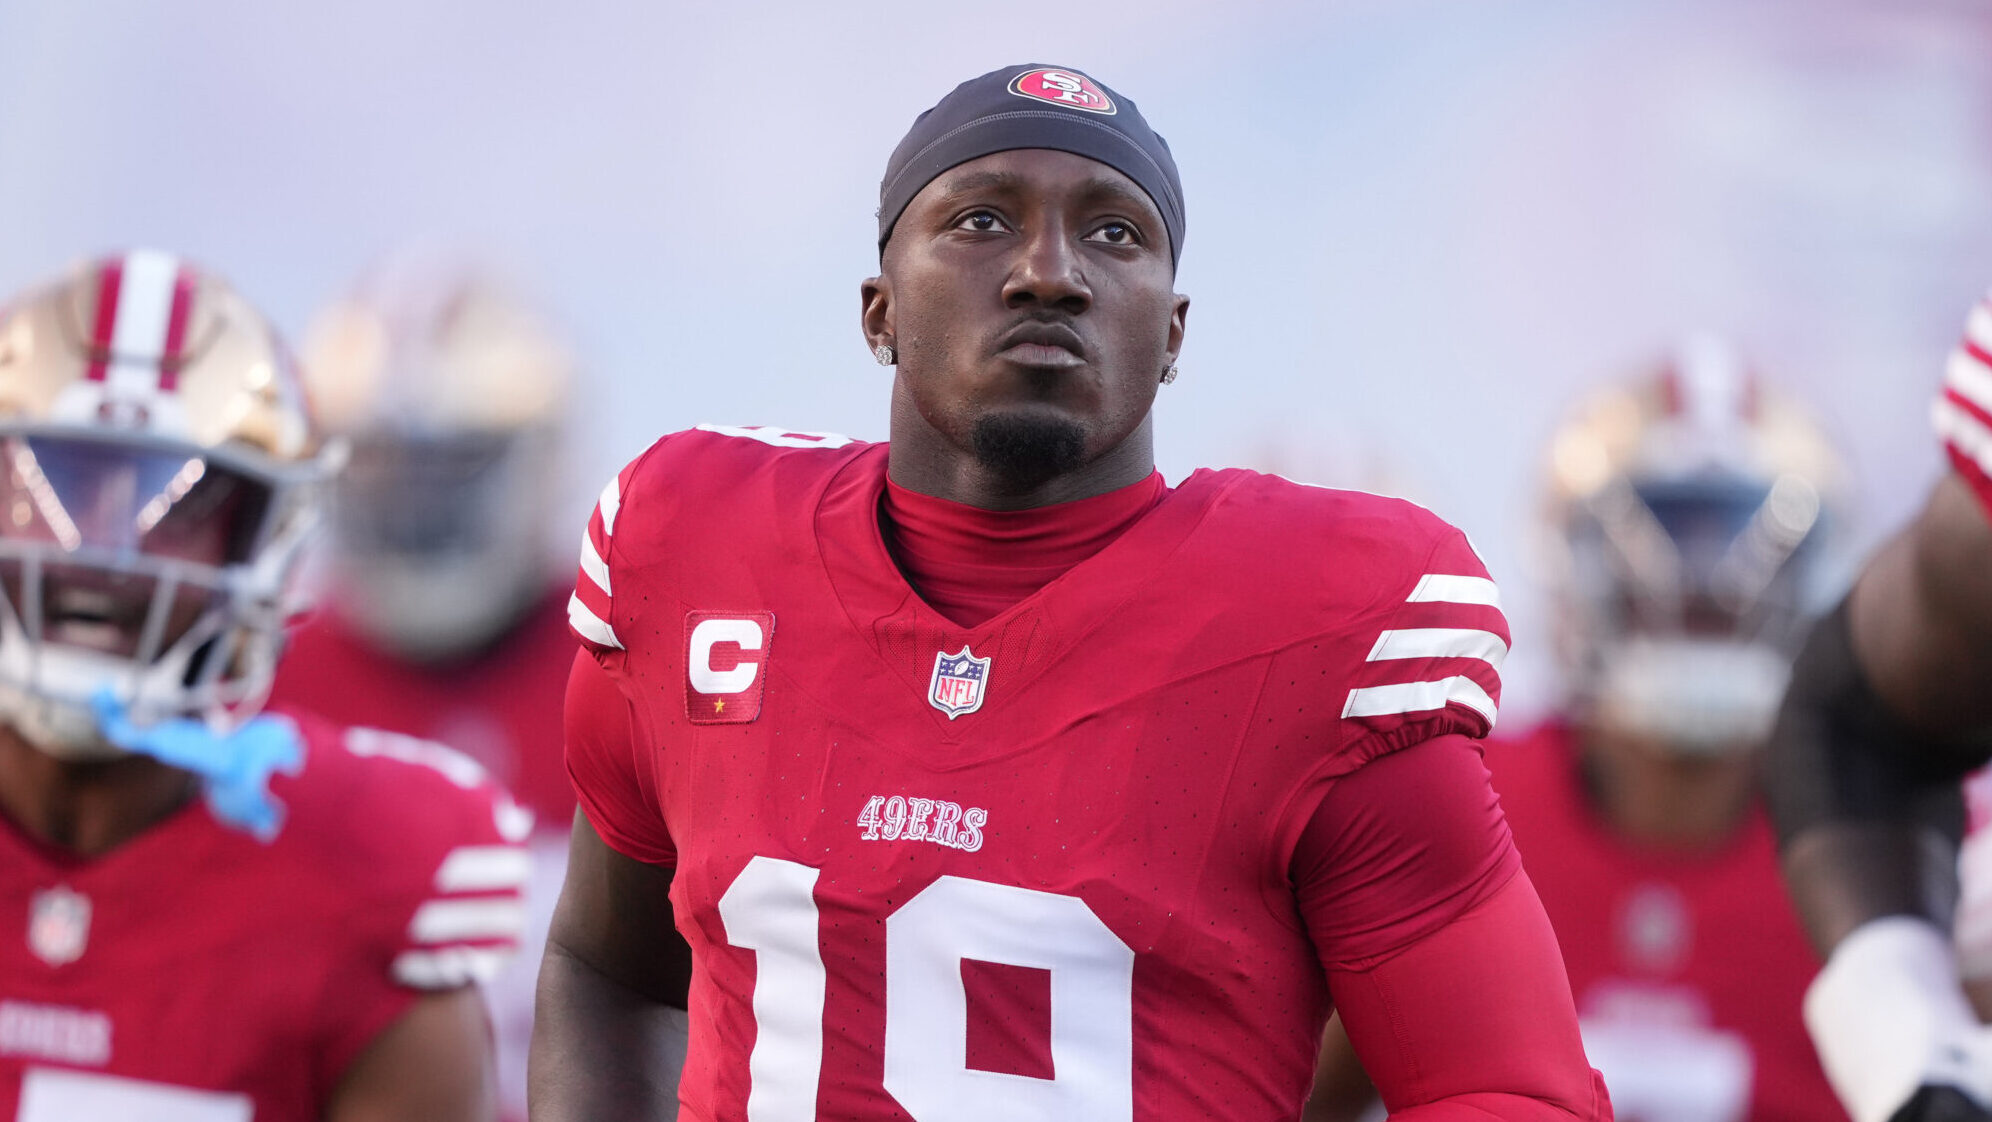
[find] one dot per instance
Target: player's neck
(87, 809)
(1670, 801)
(920, 459)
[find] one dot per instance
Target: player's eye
(1115, 233)
(982, 222)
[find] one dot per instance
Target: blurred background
(1416, 230)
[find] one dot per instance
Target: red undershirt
(971, 564)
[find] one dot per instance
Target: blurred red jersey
(1688, 970)
(502, 707)
(1054, 865)
(197, 974)
(1962, 413)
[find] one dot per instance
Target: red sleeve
(1399, 848)
(1437, 951)
(612, 781)
(429, 891)
(1474, 1021)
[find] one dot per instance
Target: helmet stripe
(176, 329)
(109, 282)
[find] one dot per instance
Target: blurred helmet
(453, 396)
(159, 479)
(1688, 517)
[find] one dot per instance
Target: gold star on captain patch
(719, 705)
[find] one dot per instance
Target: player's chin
(1029, 444)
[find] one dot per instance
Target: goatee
(1028, 450)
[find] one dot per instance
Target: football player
(1888, 707)
(1687, 517)
(207, 914)
(447, 616)
(993, 778)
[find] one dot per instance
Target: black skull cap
(1033, 106)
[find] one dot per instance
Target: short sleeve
(615, 789)
(436, 890)
(1434, 667)
(1962, 413)
(591, 609)
(1399, 848)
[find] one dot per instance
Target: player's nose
(1047, 270)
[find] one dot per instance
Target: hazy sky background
(1416, 230)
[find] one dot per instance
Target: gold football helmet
(1688, 514)
(454, 397)
(160, 467)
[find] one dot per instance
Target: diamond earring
(1169, 375)
(884, 354)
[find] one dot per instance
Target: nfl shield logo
(59, 925)
(958, 683)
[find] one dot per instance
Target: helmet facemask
(1687, 596)
(151, 568)
(1689, 521)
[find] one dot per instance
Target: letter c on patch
(711, 632)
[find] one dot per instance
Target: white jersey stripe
(1440, 642)
(610, 503)
(1971, 378)
(1978, 327)
(1445, 588)
(1964, 432)
(444, 921)
(145, 312)
(593, 565)
(1419, 697)
(449, 967)
(589, 625)
(482, 868)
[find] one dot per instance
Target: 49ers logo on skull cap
(1063, 87)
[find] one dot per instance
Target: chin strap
(234, 767)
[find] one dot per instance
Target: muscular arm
(1439, 957)
(1888, 708)
(433, 1064)
(1884, 715)
(608, 1025)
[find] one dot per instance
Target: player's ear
(875, 312)
(1177, 319)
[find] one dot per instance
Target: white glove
(1889, 1017)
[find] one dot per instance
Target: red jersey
(1053, 865)
(1688, 970)
(197, 974)
(1962, 413)
(502, 707)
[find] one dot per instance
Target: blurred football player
(447, 608)
(1687, 516)
(207, 914)
(1890, 704)
(992, 778)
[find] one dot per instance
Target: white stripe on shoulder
(1440, 642)
(1971, 378)
(1978, 326)
(610, 503)
(482, 868)
(592, 563)
(1964, 432)
(589, 625)
(1419, 697)
(449, 967)
(1446, 588)
(779, 437)
(446, 921)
